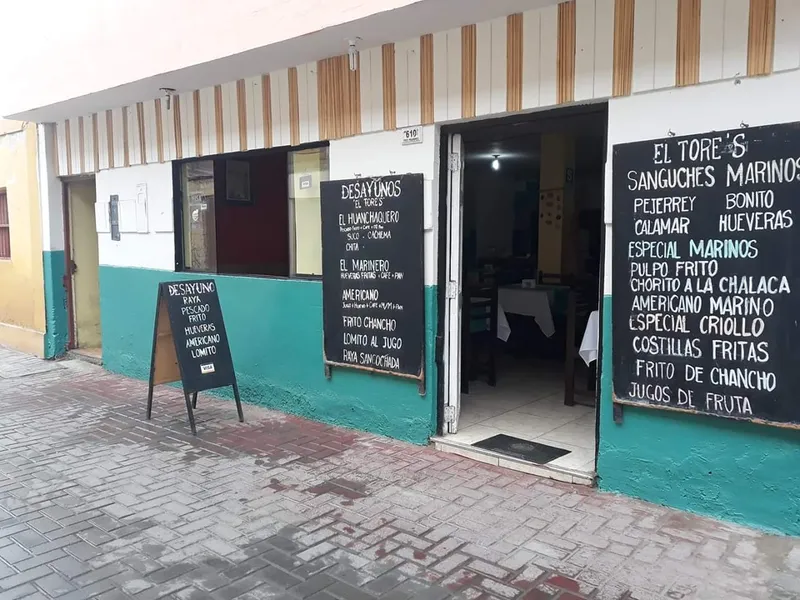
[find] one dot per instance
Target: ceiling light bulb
(496, 162)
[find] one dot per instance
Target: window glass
(199, 231)
(5, 229)
(307, 170)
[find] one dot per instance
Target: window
(198, 216)
(254, 213)
(5, 230)
(307, 169)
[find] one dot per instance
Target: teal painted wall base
(55, 304)
(275, 332)
(735, 471)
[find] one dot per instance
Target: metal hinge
(449, 414)
(451, 292)
(455, 161)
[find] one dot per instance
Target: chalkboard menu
(190, 343)
(372, 282)
(705, 312)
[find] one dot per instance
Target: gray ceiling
(517, 140)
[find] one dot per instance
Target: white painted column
(51, 208)
(50, 195)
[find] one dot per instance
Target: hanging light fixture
(496, 162)
(352, 53)
(168, 92)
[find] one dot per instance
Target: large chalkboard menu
(373, 287)
(190, 343)
(706, 297)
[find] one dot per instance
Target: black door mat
(522, 449)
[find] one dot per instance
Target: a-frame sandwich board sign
(190, 343)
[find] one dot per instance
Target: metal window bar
(5, 229)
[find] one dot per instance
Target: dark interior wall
(499, 207)
(254, 238)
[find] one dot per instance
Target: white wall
(50, 194)
(383, 154)
(146, 217)
(691, 110)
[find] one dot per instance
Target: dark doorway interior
(531, 263)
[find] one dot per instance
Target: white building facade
(652, 68)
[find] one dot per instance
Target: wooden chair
(479, 335)
(582, 300)
(550, 278)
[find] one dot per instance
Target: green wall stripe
(55, 304)
(735, 471)
(275, 331)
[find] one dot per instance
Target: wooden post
(190, 412)
(150, 399)
(569, 366)
(238, 401)
(151, 381)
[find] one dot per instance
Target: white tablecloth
(530, 302)
(503, 329)
(589, 342)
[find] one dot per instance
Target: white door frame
(452, 329)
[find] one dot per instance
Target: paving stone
(54, 585)
(451, 563)
(322, 595)
(404, 591)
(385, 583)
(13, 553)
(246, 567)
(90, 591)
(100, 574)
(236, 588)
(38, 560)
(29, 539)
(280, 577)
(344, 591)
(282, 560)
(306, 570)
(207, 579)
(44, 525)
(36, 596)
(488, 569)
(170, 573)
(96, 502)
(191, 593)
(433, 594)
(313, 585)
(82, 551)
(21, 591)
(8, 583)
(316, 551)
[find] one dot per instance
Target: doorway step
(90, 355)
(444, 444)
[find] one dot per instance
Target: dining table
(535, 302)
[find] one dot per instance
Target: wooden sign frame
(166, 368)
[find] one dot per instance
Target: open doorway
(524, 256)
(83, 269)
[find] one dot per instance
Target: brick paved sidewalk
(97, 502)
